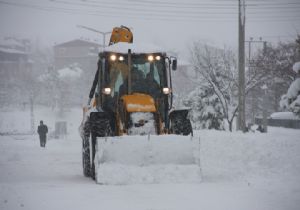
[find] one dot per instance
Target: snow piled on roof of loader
(123, 47)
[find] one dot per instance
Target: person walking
(42, 131)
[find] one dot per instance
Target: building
(81, 52)
(15, 69)
(14, 57)
(72, 55)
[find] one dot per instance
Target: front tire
(93, 141)
(86, 165)
(86, 161)
(100, 128)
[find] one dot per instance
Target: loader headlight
(166, 90)
(150, 58)
(157, 57)
(113, 57)
(106, 91)
(121, 58)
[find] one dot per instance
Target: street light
(99, 32)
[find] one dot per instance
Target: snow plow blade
(147, 159)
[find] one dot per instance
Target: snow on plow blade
(147, 159)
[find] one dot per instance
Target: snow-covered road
(240, 171)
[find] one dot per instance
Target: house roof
(11, 42)
(78, 43)
(12, 45)
(12, 51)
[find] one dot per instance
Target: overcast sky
(171, 24)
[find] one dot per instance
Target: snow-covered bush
(296, 67)
(291, 100)
(206, 109)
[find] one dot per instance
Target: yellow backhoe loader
(130, 132)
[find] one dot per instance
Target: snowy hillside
(239, 171)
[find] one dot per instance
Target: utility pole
(99, 32)
(241, 64)
(249, 77)
(250, 62)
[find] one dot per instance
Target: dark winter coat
(42, 130)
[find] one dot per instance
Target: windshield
(146, 76)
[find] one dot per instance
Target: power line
(141, 5)
(201, 3)
(150, 15)
(160, 3)
(145, 9)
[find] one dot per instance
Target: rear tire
(181, 126)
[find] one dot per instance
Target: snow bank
(238, 156)
(147, 159)
(284, 115)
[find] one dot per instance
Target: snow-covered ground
(239, 171)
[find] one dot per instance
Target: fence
(286, 123)
(60, 129)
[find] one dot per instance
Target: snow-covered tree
(273, 67)
(217, 69)
(217, 74)
(206, 109)
(49, 88)
(61, 88)
(69, 86)
(291, 100)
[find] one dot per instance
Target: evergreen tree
(206, 109)
(291, 100)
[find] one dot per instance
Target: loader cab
(148, 75)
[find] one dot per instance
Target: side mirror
(174, 64)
